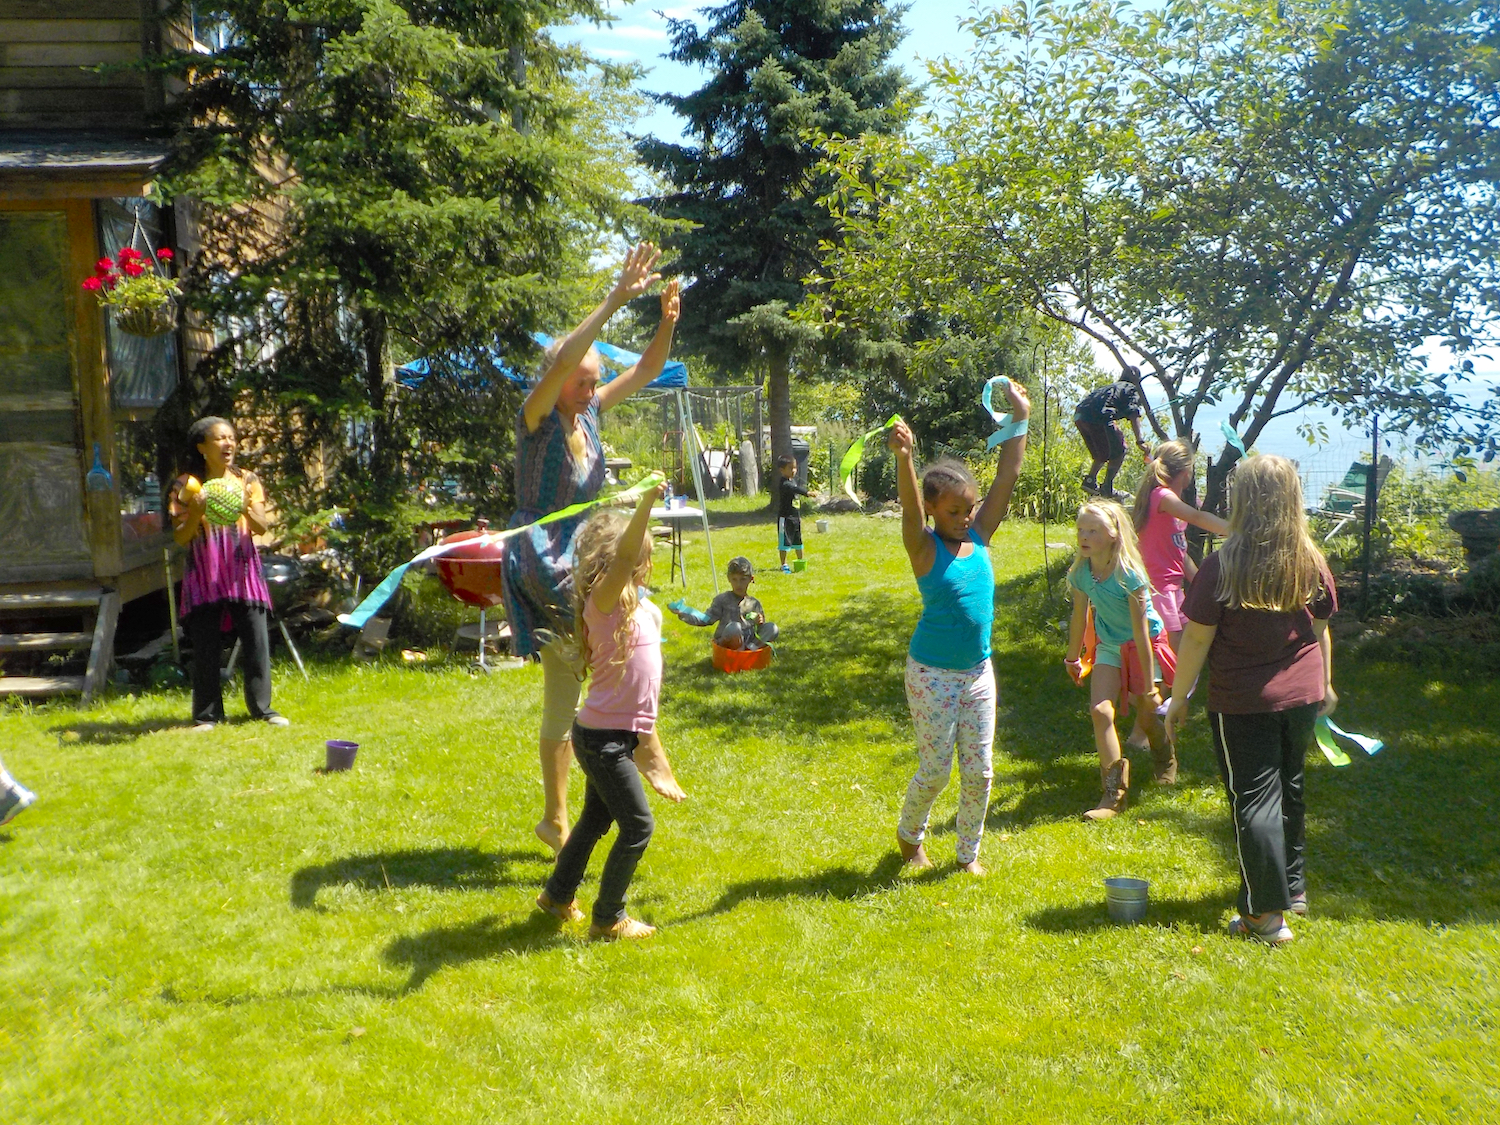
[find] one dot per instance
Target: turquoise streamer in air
(1233, 438)
(375, 601)
(1006, 426)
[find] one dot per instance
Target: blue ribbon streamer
(694, 616)
(1006, 426)
(1233, 438)
(1324, 731)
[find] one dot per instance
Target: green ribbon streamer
(361, 614)
(856, 451)
(1325, 730)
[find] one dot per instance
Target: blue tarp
(617, 360)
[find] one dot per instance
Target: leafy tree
(386, 179)
(1272, 204)
(782, 72)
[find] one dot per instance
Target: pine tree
(782, 73)
(381, 180)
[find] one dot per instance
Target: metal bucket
(821, 525)
(1126, 898)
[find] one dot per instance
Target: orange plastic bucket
(742, 659)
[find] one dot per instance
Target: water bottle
(98, 477)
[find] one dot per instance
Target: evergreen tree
(782, 73)
(381, 180)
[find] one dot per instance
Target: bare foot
(552, 835)
(914, 854)
(973, 867)
(651, 759)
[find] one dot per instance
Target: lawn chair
(1344, 503)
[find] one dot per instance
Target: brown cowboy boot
(1164, 759)
(1116, 787)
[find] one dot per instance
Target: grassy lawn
(203, 929)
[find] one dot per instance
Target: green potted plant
(138, 289)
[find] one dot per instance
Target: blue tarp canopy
(617, 360)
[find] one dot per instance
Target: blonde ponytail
(1167, 460)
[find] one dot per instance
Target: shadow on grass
(481, 940)
(115, 733)
(1201, 914)
(829, 671)
(841, 883)
(462, 869)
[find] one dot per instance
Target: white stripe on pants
(950, 711)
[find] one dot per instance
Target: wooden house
(77, 157)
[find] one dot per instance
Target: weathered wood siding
(48, 49)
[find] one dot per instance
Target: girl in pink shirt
(614, 735)
(1161, 517)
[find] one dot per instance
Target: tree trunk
(779, 392)
(1215, 497)
(384, 462)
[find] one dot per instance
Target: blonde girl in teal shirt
(1132, 654)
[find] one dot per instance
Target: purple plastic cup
(340, 754)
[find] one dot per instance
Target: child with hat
(739, 620)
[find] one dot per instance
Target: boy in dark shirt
(788, 521)
(739, 620)
(1097, 418)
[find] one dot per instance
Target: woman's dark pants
(203, 630)
(614, 796)
(1261, 760)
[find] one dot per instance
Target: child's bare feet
(973, 867)
(553, 835)
(914, 854)
(651, 759)
(563, 912)
(627, 929)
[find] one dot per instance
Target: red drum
(472, 574)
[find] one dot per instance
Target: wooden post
(1372, 496)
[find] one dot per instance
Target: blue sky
(640, 35)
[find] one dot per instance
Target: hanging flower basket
(138, 290)
(143, 320)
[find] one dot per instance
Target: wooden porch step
(32, 601)
(31, 642)
(40, 685)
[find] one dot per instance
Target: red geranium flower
(129, 254)
(110, 280)
(103, 266)
(133, 268)
(165, 254)
(93, 283)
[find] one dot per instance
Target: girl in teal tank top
(950, 686)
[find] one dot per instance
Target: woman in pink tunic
(217, 510)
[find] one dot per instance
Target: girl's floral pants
(951, 711)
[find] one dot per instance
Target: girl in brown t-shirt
(1258, 614)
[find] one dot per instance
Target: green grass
(202, 929)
